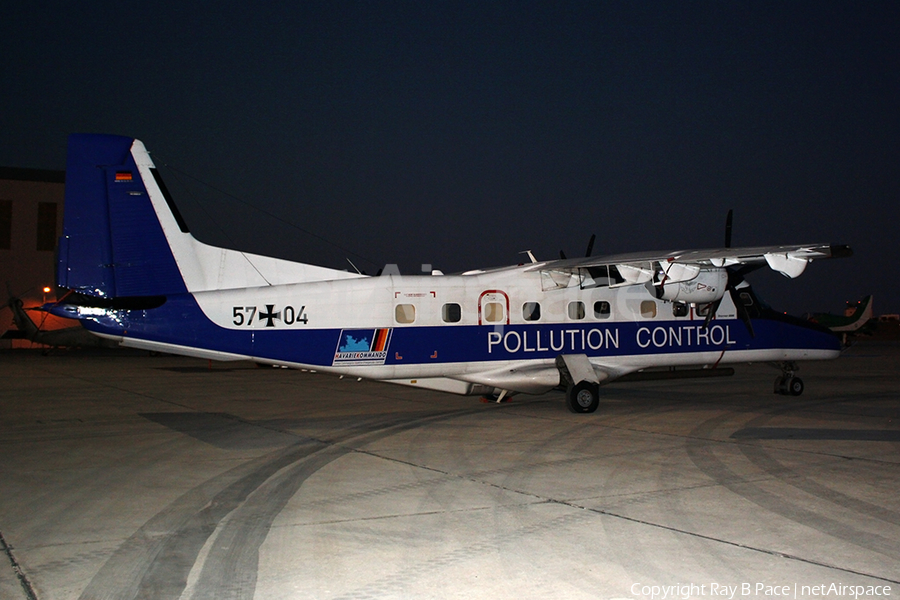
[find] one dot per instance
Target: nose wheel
(789, 386)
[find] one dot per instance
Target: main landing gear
(582, 384)
(583, 397)
(788, 384)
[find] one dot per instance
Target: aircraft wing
(681, 264)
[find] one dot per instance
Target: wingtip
(841, 251)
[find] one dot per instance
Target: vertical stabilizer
(112, 243)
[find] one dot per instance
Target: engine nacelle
(708, 286)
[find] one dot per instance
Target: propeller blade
(735, 278)
(712, 313)
(728, 223)
(590, 247)
(562, 255)
(743, 315)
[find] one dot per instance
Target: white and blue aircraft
(136, 275)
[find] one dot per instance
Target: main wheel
(795, 386)
(583, 397)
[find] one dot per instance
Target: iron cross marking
(269, 315)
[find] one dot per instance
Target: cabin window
(648, 309)
(492, 312)
(601, 309)
(451, 313)
(405, 313)
(679, 309)
(531, 311)
(576, 310)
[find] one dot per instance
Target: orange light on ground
(46, 289)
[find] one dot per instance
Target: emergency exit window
(493, 312)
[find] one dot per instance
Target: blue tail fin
(112, 244)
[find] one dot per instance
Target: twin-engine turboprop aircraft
(136, 275)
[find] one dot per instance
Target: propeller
(13, 300)
(590, 248)
(729, 220)
(27, 326)
(735, 279)
(588, 252)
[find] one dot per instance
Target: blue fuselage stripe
(181, 322)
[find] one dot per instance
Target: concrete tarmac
(130, 476)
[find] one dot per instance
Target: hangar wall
(31, 215)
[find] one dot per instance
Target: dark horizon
(460, 134)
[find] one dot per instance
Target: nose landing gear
(788, 384)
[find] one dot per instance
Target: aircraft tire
(583, 397)
(795, 386)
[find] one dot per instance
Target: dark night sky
(459, 133)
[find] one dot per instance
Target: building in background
(31, 214)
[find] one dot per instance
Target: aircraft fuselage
(481, 329)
